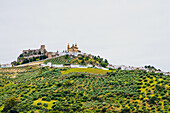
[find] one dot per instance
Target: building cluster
(35, 52)
(29, 54)
(49, 64)
(42, 52)
(123, 67)
(5, 65)
(73, 48)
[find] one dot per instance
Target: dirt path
(36, 63)
(30, 64)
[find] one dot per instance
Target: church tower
(73, 48)
(76, 45)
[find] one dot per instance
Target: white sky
(129, 32)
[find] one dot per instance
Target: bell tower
(76, 45)
(73, 48)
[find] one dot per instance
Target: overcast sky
(126, 32)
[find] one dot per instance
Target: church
(73, 48)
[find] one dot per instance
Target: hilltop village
(32, 55)
(42, 53)
(77, 59)
(44, 58)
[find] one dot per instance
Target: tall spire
(68, 46)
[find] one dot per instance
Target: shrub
(0, 104)
(100, 106)
(104, 109)
(45, 104)
(44, 98)
(144, 86)
(151, 81)
(39, 103)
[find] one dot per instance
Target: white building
(49, 64)
(75, 66)
(6, 65)
(89, 65)
(57, 66)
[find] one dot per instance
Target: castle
(74, 48)
(40, 54)
(36, 52)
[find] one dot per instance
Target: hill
(80, 59)
(34, 89)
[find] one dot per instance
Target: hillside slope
(81, 60)
(40, 90)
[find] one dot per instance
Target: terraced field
(58, 60)
(83, 90)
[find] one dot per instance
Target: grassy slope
(82, 60)
(86, 70)
(114, 91)
(58, 60)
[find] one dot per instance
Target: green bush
(45, 104)
(39, 103)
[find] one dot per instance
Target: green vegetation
(151, 68)
(23, 60)
(58, 60)
(81, 60)
(34, 89)
(85, 70)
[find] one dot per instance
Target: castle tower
(42, 47)
(42, 50)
